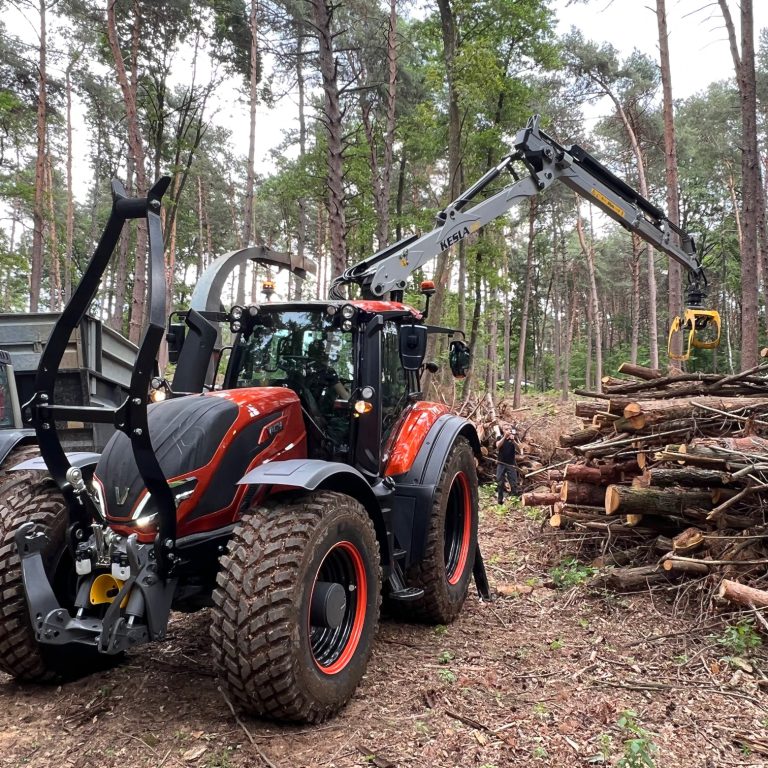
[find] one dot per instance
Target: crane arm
(546, 162)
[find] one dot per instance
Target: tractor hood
(204, 444)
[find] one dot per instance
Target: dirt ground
(538, 678)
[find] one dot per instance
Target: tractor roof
(365, 305)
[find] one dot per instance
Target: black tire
(446, 569)
(38, 500)
(16, 456)
(274, 661)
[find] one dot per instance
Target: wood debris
(672, 470)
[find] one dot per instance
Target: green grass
(570, 573)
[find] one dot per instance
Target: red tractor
(314, 481)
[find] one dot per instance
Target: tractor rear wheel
(37, 500)
(297, 606)
(446, 569)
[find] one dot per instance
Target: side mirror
(413, 346)
(175, 339)
(459, 358)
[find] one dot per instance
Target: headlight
(236, 326)
(146, 520)
(347, 311)
(98, 498)
(236, 313)
(346, 325)
(142, 505)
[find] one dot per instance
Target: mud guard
(314, 474)
(11, 438)
(78, 459)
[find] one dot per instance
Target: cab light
(362, 406)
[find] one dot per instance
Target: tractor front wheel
(33, 497)
(297, 606)
(446, 569)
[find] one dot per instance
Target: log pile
(673, 471)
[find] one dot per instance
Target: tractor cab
(355, 367)
(305, 349)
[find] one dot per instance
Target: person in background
(506, 467)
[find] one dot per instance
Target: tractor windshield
(284, 346)
(307, 352)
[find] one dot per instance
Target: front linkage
(141, 572)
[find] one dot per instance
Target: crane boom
(546, 162)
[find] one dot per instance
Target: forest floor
(553, 673)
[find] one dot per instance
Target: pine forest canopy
(391, 115)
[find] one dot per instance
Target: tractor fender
(315, 475)
(415, 489)
(78, 459)
(10, 438)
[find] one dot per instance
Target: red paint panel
(408, 436)
(290, 443)
(385, 306)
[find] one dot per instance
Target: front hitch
(144, 616)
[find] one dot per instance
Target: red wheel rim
(458, 528)
(333, 648)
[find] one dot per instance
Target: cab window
(393, 384)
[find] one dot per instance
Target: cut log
(535, 499)
(625, 500)
(586, 409)
(579, 494)
(605, 474)
(640, 371)
(658, 411)
(579, 438)
(687, 477)
(629, 578)
(684, 567)
(688, 541)
(742, 594)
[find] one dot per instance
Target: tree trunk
(522, 338)
(55, 282)
(450, 51)
(323, 20)
(507, 329)
(382, 222)
(301, 232)
(129, 90)
(675, 280)
(70, 224)
(744, 66)
(250, 171)
(589, 253)
(38, 210)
